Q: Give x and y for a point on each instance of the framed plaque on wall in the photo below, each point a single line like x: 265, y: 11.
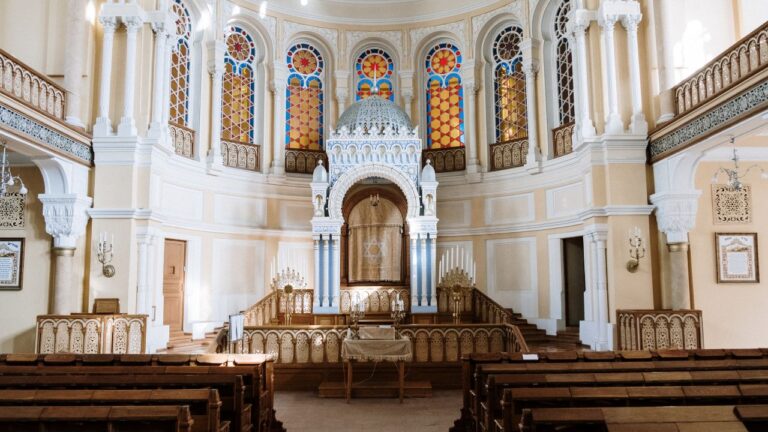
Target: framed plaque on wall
x: 11, y: 263
x: 737, y: 257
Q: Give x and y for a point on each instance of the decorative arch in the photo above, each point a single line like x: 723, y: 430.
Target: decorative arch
x: 374, y: 66
x: 511, y: 117
x: 444, y: 96
x: 363, y: 171
x: 181, y: 66
x: 304, y: 106
x: 238, y: 93
x: 564, y: 75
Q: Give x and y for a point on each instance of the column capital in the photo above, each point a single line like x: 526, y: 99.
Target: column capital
x: 216, y: 50
x: 676, y: 213
x: 109, y: 23
x: 631, y: 21
x: 65, y: 217
x: 579, y: 21
x: 132, y: 23
x: 470, y: 86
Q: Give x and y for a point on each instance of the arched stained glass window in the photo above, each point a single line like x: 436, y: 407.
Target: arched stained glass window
x: 564, y: 65
x: 238, y: 87
x: 180, y: 65
x: 509, y: 86
x: 304, y: 98
x: 445, y: 97
x: 374, y: 65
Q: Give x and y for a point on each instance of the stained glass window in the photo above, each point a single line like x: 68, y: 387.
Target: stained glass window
x: 445, y: 97
x: 180, y: 63
x: 304, y: 98
x: 238, y: 87
x: 509, y: 86
x: 374, y: 66
x: 564, y: 65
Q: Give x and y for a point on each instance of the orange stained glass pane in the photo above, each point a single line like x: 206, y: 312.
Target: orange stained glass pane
x: 304, y: 114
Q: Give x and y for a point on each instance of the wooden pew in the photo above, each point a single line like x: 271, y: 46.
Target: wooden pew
x: 204, y: 404
x: 87, y: 419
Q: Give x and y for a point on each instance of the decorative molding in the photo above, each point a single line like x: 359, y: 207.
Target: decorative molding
x: 739, y: 106
x: 513, y: 8
x: 676, y: 214
x: 291, y: 29
x: 65, y: 217
x: 394, y: 37
x: 364, y: 170
x: 731, y: 206
x: 12, y: 206
x: 457, y: 29
x: 44, y: 135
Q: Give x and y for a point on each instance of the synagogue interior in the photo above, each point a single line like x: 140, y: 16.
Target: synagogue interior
x: 383, y: 215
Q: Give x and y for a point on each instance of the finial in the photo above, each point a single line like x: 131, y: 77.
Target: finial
x: 429, y: 162
x: 320, y: 162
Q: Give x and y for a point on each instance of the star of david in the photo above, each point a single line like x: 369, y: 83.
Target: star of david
x: 373, y: 250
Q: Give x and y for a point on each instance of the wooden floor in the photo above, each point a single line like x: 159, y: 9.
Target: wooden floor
x: 305, y: 411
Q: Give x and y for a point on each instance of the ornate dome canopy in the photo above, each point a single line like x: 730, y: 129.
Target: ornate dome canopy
x: 374, y: 115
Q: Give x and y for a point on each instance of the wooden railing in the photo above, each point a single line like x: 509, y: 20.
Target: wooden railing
x: 91, y: 334
x: 486, y: 310
x: 376, y: 300
x: 445, y: 159
x: 183, y: 139
x: 241, y: 155
x: 659, y: 329
x: 562, y: 137
x: 431, y: 343
x: 445, y: 302
x: 31, y: 87
x: 303, y: 161
x: 267, y: 310
x: 740, y: 61
x: 509, y: 154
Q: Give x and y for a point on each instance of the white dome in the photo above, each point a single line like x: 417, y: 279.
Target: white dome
x: 375, y: 114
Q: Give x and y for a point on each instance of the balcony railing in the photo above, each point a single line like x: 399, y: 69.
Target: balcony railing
x: 91, y: 334
x: 241, y: 155
x: 659, y: 329
x: 509, y: 154
x: 183, y: 139
x: 740, y: 61
x: 562, y: 136
x: 303, y: 161
x: 445, y: 159
x: 30, y: 87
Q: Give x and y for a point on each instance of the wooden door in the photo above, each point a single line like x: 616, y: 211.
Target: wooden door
x: 173, y: 284
x: 573, y: 257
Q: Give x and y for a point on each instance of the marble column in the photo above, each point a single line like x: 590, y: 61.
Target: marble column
x: 407, y: 102
x: 637, y: 125
x: 127, y: 125
x: 216, y: 69
x: 533, y: 158
x: 433, y: 271
x: 579, y: 26
x: 601, y: 280
x: 318, y: 284
x: 170, y: 47
x: 143, y: 284
x: 65, y: 299
x: 335, y: 268
x: 414, y: 272
x: 666, y: 61
x: 470, y: 132
x: 279, y: 88
x: 103, y: 126
x: 423, y: 268
x: 679, y: 294
x: 73, y: 61
x: 328, y: 259
x: 613, y: 123
x: 158, y: 82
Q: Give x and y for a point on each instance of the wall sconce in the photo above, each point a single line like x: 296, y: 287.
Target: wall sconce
x: 636, y: 249
x: 104, y: 255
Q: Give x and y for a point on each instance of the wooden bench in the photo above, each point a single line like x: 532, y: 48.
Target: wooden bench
x: 204, y: 404
x: 87, y: 419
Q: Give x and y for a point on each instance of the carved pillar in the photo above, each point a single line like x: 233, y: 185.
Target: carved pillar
x: 676, y: 216
x: 216, y: 69
x: 638, y: 125
x: 601, y: 283
x: 530, y: 68
x: 127, y: 125
x: 73, y: 61
x: 143, y: 285
x: 65, y: 219
x: 278, y: 155
x: 613, y: 123
x: 158, y: 83
x: 103, y: 126
x: 470, y: 131
x: 579, y: 25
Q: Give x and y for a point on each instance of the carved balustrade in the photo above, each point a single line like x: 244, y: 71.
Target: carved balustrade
x: 376, y: 300
x: 183, y: 140
x: 445, y: 302
x: 241, y: 155
x: 24, y: 84
x: 300, y: 302
x: 264, y: 312
x: 736, y: 64
x: 486, y: 310
x: 509, y: 154
x: 562, y: 137
x: 431, y: 343
x: 659, y: 329
x: 445, y: 159
x: 303, y: 161
x: 91, y: 334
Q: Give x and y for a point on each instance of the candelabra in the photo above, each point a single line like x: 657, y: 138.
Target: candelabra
x: 736, y: 175
x: 456, y: 297
x: 397, y: 311
x: 6, y: 178
x: 104, y: 254
x: 636, y: 249
x: 356, y: 313
x: 287, y: 292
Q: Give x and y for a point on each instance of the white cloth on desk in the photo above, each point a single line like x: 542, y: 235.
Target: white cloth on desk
x: 377, y: 350
x: 376, y: 332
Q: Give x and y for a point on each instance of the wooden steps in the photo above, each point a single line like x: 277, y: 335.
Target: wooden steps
x: 376, y: 389
x: 182, y: 343
x: 539, y: 340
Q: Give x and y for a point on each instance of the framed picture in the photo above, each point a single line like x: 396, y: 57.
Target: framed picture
x: 11, y: 263
x: 737, y: 257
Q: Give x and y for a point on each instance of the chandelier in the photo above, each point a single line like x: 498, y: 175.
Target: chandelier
x: 736, y: 174
x: 374, y: 200
x: 8, y: 180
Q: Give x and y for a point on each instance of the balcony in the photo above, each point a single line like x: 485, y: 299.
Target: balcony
x: 562, y: 137
x: 241, y: 155
x: 183, y: 139
x: 509, y: 154
x: 445, y: 159
x: 731, y: 87
x: 303, y: 161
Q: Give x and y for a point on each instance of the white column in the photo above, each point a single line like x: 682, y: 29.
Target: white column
x: 143, y: 283
x: 73, y: 61
x: 170, y: 46
x: 533, y: 158
x: 318, y: 284
x: 637, y: 125
x: 327, y: 276
x: 423, y: 258
x: 666, y: 60
x: 406, y: 90
x: 602, y: 291
x: 414, y: 272
x: 65, y: 299
x: 216, y: 69
x: 580, y: 25
x: 407, y: 102
x: 335, y: 273
x: 158, y: 83
x: 433, y: 267
x: 470, y: 131
x: 278, y: 155
x: 127, y: 125
x: 103, y: 126
x: 613, y: 123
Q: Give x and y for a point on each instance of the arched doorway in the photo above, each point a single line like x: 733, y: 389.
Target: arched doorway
x: 374, y: 235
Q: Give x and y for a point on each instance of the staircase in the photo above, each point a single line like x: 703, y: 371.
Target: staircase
x: 539, y: 340
x: 182, y: 343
